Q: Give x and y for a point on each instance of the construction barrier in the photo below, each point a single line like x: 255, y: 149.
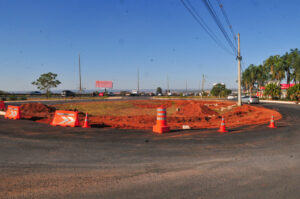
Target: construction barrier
x: 2, y: 105
x: 65, y: 118
x: 161, y: 122
x: 13, y: 112
x: 222, y: 126
x: 272, y: 123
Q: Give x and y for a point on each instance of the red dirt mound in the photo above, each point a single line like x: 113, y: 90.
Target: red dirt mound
x: 194, y: 110
x: 36, y: 110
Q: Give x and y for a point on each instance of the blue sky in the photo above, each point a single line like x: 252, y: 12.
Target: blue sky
x: 115, y: 37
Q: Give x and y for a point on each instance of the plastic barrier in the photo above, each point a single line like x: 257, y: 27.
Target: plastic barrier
x: 65, y: 118
x: 13, y: 112
x: 161, y: 123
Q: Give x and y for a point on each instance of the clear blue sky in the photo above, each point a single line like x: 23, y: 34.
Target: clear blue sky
x: 115, y: 37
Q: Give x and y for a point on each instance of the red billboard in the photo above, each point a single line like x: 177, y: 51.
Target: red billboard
x: 286, y: 86
x: 104, y: 84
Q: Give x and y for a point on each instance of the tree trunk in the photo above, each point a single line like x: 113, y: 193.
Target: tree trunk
x: 288, y: 77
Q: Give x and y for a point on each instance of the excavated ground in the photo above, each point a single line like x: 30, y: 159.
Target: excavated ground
x: 141, y: 114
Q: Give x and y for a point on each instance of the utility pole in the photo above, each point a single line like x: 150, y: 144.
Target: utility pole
x: 168, y: 86
x: 239, y: 58
x: 203, y: 81
x: 80, y: 89
x: 186, y: 86
x: 138, y: 81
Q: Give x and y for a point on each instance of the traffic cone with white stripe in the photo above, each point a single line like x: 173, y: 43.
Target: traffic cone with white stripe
x: 86, y: 122
x: 272, y: 123
x: 222, y: 126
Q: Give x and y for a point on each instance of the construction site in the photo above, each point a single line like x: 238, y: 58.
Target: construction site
x: 141, y: 114
x: 139, y: 99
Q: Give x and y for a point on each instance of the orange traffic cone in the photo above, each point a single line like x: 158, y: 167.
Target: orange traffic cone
x: 272, y: 123
x: 86, y: 122
x: 222, y: 127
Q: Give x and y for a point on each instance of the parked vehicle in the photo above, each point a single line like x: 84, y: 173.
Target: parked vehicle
x: 231, y: 97
x: 134, y: 93
x: 35, y: 93
x: 250, y: 99
x: 67, y: 93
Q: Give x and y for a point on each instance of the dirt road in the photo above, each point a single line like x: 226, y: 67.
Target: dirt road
x: 40, y: 161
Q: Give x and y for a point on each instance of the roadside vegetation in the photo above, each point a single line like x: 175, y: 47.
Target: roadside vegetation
x: 268, y: 76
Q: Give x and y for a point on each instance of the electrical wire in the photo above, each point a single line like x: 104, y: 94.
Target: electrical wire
x: 200, y: 21
x: 219, y: 24
x: 227, y: 21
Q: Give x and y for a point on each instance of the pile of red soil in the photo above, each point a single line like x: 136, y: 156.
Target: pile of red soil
x: 194, y: 110
x: 36, y: 111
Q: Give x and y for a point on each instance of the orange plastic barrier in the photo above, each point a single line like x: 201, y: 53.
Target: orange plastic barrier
x: 222, y: 126
x: 2, y: 105
x: 65, y: 118
x: 13, y: 112
x: 161, y: 123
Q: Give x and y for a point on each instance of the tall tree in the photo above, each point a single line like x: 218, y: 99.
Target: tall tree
x: 295, y: 65
x: 275, y: 65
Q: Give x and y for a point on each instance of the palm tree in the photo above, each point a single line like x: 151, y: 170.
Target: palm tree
x: 286, y: 61
x: 275, y: 65
x: 295, y: 64
x: 261, y: 76
x: 249, y: 77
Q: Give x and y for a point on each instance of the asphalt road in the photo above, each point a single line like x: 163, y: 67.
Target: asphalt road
x: 40, y: 161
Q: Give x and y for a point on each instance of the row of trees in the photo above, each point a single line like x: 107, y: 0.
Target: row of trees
x: 275, y: 68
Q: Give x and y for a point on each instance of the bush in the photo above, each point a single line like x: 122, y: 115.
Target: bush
x: 12, y: 98
x: 123, y: 93
x: 293, y: 92
x: 273, y: 90
x: 220, y: 90
x: 3, y: 98
x: 22, y: 98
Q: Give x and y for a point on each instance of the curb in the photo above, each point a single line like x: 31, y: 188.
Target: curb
x: 278, y: 102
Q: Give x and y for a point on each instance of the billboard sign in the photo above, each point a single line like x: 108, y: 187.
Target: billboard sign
x: 286, y: 86
x: 104, y: 84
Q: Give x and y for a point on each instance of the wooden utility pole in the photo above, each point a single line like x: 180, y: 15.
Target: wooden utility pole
x: 80, y: 89
x: 239, y: 58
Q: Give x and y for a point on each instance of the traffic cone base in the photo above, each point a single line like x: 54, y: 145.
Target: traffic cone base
x: 161, y: 129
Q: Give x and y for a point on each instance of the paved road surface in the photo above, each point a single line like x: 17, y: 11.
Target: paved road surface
x: 40, y: 161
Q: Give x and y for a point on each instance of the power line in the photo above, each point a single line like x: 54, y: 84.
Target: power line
x: 227, y: 21
x: 219, y: 24
x: 201, y: 22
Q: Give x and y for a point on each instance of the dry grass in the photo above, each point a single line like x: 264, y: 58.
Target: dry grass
x: 121, y: 108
